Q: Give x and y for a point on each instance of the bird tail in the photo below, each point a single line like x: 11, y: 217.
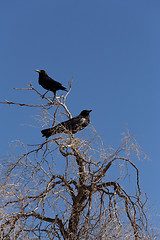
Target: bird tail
x: 60, y: 128
x: 47, y: 132
x: 65, y: 89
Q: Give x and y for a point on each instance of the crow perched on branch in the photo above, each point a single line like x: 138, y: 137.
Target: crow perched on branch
x: 73, y: 125
x: 48, y: 83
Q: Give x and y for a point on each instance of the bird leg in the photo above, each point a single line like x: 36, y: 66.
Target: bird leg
x: 44, y: 94
x: 54, y: 96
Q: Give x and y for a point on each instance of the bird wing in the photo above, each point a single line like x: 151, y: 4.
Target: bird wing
x: 52, y: 83
x: 75, y: 124
x: 69, y: 125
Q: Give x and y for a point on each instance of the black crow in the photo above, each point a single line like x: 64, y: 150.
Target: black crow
x: 72, y: 125
x: 48, y: 83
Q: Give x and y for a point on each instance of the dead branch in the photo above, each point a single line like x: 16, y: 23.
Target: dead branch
x: 63, y: 187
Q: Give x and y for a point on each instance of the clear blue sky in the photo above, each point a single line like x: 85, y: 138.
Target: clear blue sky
x: 111, y: 48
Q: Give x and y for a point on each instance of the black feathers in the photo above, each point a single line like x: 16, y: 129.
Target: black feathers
x: 48, y: 83
x: 73, y: 125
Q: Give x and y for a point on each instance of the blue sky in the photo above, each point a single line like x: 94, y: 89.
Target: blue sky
x: 112, y: 50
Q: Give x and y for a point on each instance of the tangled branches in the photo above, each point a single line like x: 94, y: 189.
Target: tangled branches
x: 71, y: 187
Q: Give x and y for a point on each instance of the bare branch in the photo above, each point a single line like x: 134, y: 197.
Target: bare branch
x: 63, y: 187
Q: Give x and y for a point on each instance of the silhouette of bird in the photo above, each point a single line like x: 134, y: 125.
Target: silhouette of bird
x: 72, y: 125
x: 48, y: 83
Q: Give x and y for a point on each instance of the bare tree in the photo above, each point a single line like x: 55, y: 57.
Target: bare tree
x: 70, y: 186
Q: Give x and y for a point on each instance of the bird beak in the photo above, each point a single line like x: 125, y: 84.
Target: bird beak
x: 37, y: 70
x: 90, y: 111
